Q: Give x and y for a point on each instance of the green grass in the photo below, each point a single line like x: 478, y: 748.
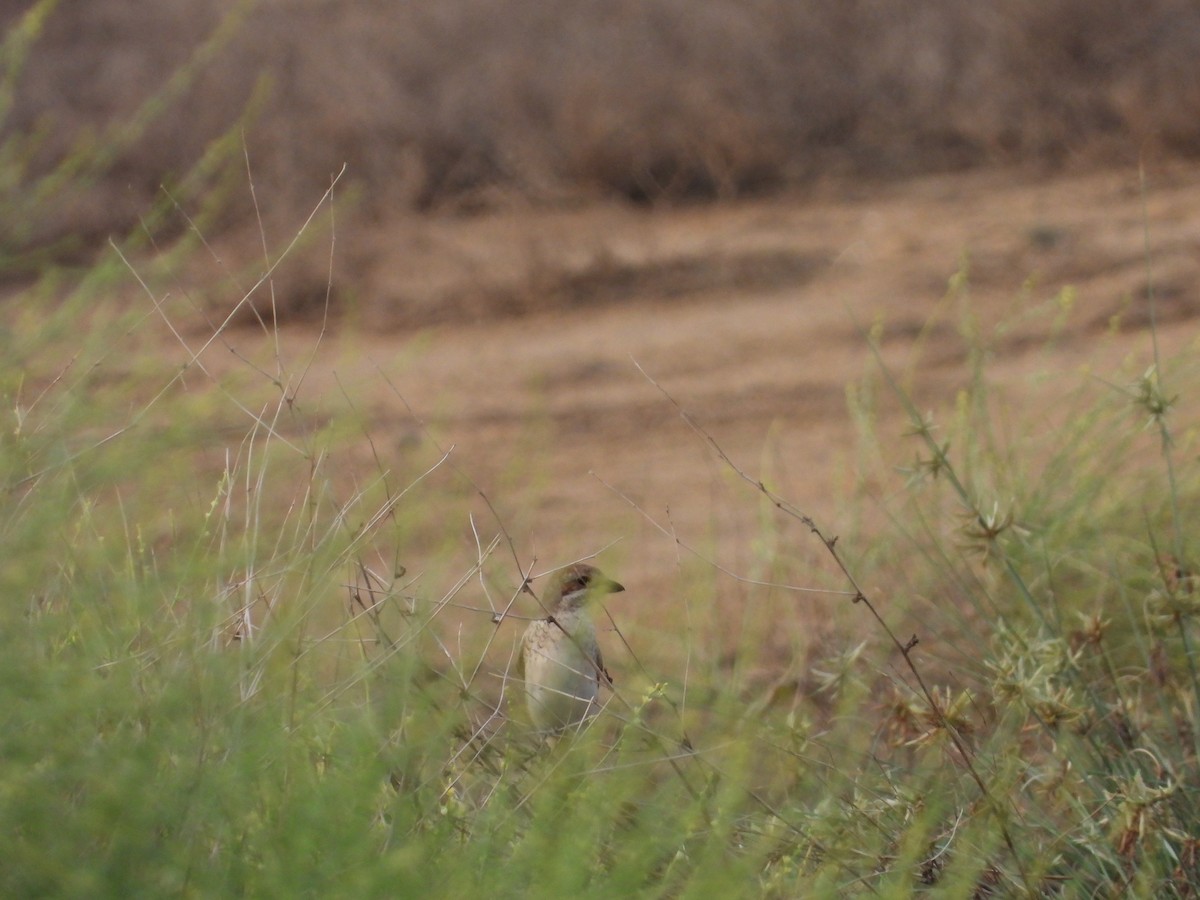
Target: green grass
x: 196, y: 703
x: 235, y: 659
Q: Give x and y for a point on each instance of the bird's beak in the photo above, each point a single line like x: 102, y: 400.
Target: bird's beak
x: 613, y: 587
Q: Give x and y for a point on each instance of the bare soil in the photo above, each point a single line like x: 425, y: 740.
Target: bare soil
x: 517, y: 337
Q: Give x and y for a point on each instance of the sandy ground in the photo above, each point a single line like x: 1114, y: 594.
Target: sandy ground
x: 516, y: 336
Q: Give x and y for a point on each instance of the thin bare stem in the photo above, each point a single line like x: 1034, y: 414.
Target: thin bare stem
x: 859, y: 596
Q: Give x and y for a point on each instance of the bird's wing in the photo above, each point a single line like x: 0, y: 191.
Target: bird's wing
x: 600, y: 670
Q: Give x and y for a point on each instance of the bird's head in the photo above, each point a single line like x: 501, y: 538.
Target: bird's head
x: 574, y: 586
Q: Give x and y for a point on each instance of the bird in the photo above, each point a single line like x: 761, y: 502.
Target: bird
x: 560, y: 659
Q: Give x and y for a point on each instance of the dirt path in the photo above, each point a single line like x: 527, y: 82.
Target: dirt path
x: 514, y: 336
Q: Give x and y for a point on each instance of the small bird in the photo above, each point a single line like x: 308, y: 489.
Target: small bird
x: 560, y: 658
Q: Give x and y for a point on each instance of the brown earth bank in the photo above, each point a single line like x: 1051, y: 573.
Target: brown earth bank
x: 527, y: 341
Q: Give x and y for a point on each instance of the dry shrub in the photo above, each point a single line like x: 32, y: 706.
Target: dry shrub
x: 430, y: 104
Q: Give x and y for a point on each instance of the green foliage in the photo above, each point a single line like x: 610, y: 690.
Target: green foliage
x: 191, y: 705
x: 218, y: 678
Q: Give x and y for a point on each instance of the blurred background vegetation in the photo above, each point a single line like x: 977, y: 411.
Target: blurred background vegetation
x: 462, y: 102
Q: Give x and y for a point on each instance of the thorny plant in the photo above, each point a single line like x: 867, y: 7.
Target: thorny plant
x: 1122, y: 748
